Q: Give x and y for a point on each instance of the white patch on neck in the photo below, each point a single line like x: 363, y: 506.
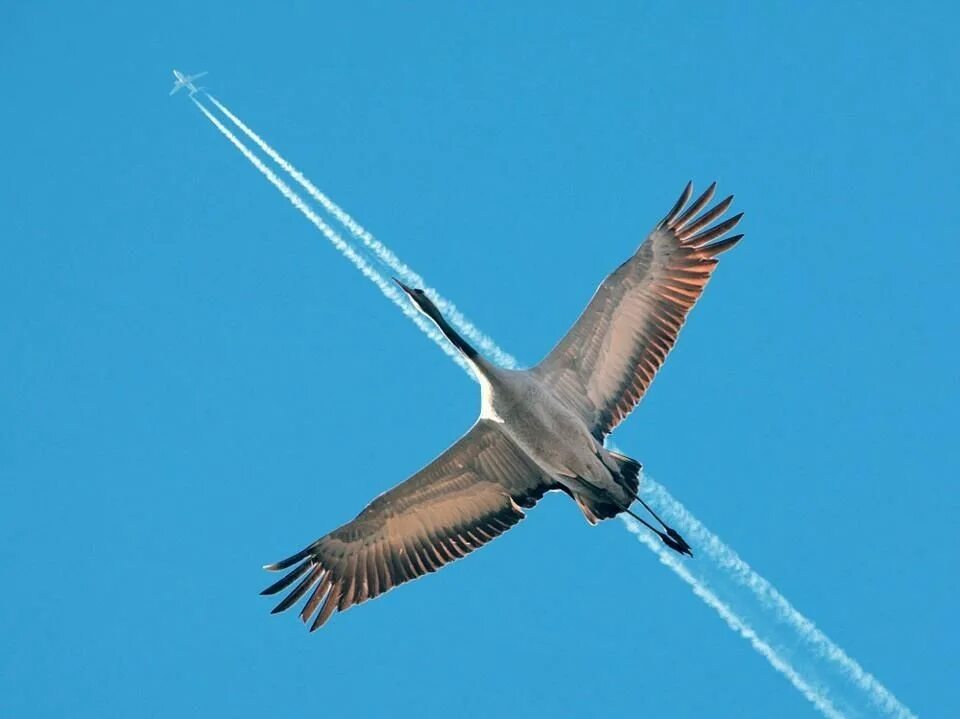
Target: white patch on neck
x: 486, y: 397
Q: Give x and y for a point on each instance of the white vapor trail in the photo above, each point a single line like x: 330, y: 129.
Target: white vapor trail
x: 484, y: 343
x: 748, y: 616
x: 816, y: 696
x: 743, y: 574
x: 391, y: 292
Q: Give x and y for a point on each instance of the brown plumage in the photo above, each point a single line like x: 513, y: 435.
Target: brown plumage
x: 473, y: 492
x: 606, y: 362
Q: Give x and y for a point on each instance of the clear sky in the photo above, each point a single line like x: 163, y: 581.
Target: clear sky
x: 194, y: 383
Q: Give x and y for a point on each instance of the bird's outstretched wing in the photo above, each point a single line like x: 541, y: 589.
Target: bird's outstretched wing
x: 606, y: 362
x: 470, y: 494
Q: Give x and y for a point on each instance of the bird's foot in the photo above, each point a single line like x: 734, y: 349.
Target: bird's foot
x: 673, y: 540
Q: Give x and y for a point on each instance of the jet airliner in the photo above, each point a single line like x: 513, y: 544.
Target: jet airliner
x: 181, y: 80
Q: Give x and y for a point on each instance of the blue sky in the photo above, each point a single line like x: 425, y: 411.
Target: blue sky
x: 194, y: 383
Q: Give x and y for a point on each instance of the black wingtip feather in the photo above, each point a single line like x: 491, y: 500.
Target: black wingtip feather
x: 712, y: 233
x: 683, y: 199
x: 333, y: 598
x: 695, y: 207
x: 289, y: 561
x: 722, y: 246
x: 286, y: 581
x: 318, y: 594
x: 298, y: 591
x: 691, y: 227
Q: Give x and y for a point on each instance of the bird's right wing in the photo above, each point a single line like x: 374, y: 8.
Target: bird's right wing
x: 470, y: 494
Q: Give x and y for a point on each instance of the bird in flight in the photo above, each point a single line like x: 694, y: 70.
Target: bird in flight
x: 539, y: 430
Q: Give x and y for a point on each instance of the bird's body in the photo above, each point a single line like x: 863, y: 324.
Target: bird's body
x: 539, y: 430
x: 548, y: 431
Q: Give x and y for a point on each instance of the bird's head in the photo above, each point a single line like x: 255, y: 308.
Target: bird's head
x: 425, y: 305
x: 420, y: 299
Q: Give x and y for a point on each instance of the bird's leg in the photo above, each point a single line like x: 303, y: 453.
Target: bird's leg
x: 676, y: 541
x: 671, y: 537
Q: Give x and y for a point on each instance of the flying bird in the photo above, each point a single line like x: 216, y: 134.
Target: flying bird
x: 539, y: 430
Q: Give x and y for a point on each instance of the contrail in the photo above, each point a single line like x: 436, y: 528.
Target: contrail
x: 731, y: 566
x: 744, y: 575
x: 386, y: 287
x: 816, y: 696
x: 484, y: 343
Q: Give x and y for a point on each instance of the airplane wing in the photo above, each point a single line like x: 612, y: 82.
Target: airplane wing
x: 197, y: 76
x: 176, y: 87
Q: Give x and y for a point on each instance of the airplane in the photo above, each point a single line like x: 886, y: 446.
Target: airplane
x: 186, y: 81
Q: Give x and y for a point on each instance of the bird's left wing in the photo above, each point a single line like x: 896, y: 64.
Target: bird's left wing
x: 470, y: 494
x: 606, y: 362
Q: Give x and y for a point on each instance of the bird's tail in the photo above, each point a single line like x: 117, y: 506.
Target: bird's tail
x: 626, y: 473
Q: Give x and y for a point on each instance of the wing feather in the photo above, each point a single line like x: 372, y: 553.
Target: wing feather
x: 606, y: 362
x: 696, y: 206
x: 469, y: 495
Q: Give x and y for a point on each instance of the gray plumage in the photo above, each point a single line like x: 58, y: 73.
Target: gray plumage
x: 539, y: 430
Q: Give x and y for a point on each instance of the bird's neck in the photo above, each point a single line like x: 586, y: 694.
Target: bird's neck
x: 482, y: 368
x: 466, y: 349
